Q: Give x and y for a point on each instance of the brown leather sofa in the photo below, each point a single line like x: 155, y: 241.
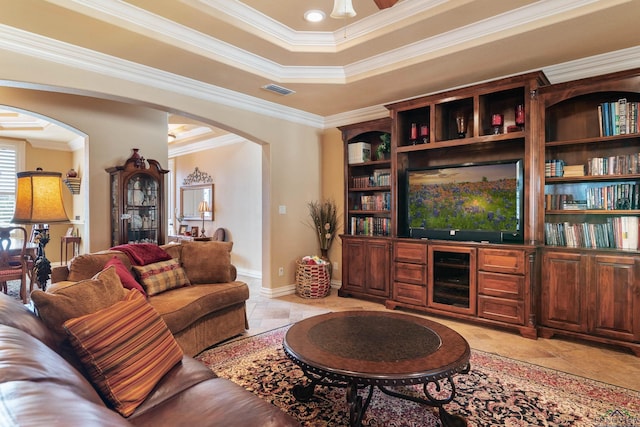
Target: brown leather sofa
x: 198, y: 316
x: 38, y: 387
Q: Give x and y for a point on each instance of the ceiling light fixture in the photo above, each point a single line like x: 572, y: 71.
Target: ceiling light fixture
x: 314, y: 15
x: 343, y: 9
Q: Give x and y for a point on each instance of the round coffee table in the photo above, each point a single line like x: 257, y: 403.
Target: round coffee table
x: 360, y: 349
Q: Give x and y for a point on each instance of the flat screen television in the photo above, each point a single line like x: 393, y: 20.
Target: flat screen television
x: 467, y: 202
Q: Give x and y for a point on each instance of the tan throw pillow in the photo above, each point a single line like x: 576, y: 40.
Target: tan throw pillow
x: 207, y: 262
x: 77, y: 299
x: 126, y: 349
x: 161, y: 276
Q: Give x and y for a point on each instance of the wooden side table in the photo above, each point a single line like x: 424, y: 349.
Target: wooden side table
x: 64, y: 242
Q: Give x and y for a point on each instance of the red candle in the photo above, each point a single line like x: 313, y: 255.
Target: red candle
x: 520, y: 115
x: 424, y: 130
x: 496, y: 120
x: 414, y: 131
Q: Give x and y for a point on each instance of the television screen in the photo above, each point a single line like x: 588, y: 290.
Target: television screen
x: 469, y: 197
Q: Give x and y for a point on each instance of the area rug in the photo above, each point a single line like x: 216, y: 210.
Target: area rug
x: 13, y: 289
x: 496, y: 392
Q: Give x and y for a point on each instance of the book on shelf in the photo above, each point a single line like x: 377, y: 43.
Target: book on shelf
x: 622, y: 196
x: 376, y: 202
x: 382, y: 177
x: 370, y: 226
x: 625, y: 164
x: 573, y: 170
x: 553, y: 168
x: 617, y: 233
x: 618, y: 117
x: 574, y: 205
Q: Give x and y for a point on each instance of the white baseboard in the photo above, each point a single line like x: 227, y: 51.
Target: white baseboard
x: 290, y: 289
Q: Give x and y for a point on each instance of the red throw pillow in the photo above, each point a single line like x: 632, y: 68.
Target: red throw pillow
x: 126, y: 277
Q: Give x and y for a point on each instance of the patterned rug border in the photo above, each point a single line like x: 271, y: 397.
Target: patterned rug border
x: 567, y: 389
x: 473, y: 350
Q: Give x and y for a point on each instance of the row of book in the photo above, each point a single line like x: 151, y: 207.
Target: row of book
x: 379, y: 178
x: 553, y: 168
x: 556, y: 202
x: 370, y: 226
x: 618, y: 117
x: 617, y: 233
x: 614, y: 165
x: 622, y: 196
x: 627, y: 164
x: 375, y: 202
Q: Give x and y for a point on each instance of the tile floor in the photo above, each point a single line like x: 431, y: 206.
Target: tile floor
x: 611, y: 365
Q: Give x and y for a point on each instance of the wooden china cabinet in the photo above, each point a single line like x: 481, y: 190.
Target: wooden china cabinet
x: 137, y: 201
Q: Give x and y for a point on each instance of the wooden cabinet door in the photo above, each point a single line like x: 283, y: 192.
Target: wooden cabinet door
x: 563, y: 289
x: 378, y: 262
x: 354, y: 262
x: 614, y: 297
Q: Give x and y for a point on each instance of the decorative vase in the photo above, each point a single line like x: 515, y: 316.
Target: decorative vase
x: 324, y: 255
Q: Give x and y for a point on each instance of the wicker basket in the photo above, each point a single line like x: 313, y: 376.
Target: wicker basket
x: 313, y: 281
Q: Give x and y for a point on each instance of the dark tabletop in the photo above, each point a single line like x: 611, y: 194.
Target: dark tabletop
x: 377, y: 346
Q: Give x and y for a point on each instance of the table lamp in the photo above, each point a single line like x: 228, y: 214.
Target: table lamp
x: 39, y: 202
x: 203, y: 207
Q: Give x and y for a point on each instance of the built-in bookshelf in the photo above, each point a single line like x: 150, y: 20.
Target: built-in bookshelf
x: 368, y: 203
x: 590, y: 263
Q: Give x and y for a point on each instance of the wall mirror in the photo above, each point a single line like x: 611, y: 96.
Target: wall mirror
x: 190, y: 198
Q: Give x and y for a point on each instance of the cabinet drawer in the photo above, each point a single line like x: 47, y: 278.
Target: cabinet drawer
x: 510, y: 261
x: 411, y: 273
x: 500, y: 309
x: 410, y: 294
x: 410, y: 252
x: 501, y: 285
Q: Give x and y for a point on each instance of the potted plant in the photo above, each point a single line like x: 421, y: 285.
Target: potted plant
x: 383, y: 150
x: 324, y: 220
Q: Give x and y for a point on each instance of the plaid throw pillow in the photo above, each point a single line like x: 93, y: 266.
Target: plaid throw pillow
x: 126, y: 349
x: 161, y: 276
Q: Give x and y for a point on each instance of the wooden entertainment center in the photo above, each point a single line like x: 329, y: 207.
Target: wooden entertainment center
x: 573, y: 269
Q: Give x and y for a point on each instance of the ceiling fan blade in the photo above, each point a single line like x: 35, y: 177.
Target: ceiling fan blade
x: 383, y: 4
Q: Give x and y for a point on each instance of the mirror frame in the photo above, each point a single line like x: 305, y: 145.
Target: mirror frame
x: 208, y: 216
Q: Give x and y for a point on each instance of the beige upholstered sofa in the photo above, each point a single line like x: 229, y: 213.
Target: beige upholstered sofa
x: 210, y: 310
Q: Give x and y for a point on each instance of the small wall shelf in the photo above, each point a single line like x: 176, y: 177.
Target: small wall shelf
x: 73, y: 184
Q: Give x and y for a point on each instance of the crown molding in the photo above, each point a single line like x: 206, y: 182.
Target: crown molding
x: 175, y: 149
x: 609, y: 62
x: 33, y: 45
x: 250, y: 20
x: 356, y: 116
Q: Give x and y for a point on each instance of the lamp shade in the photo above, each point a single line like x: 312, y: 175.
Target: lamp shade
x: 39, y: 198
x: 203, y: 207
x: 343, y: 9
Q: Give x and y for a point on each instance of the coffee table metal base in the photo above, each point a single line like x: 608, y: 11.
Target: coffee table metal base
x: 362, y: 350
x: 358, y: 406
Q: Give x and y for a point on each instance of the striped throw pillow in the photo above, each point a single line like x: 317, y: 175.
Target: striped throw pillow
x: 161, y: 276
x: 126, y: 349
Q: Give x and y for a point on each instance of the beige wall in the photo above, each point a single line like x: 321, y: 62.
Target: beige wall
x: 114, y: 129
x: 291, y: 157
x: 236, y: 171
x: 333, y: 187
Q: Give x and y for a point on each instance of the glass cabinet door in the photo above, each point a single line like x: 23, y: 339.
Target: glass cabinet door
x: 115, y: 210
x: 141, y: 209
